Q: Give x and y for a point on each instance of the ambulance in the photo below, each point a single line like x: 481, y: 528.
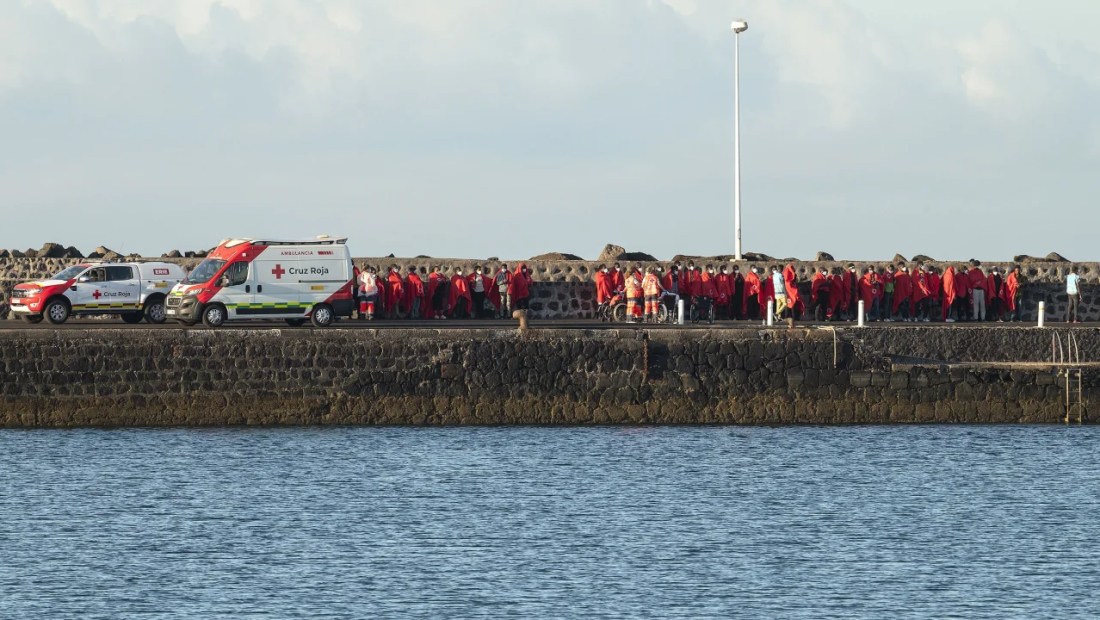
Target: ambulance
x: 261, y: 279
x: 134, y: 291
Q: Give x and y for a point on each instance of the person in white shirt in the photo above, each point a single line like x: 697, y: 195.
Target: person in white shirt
x: 1073, y: 292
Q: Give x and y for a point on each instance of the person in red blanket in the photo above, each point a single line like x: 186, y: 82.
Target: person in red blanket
x: 995, y: 289
x: 851, y: 291
x: 935, y: 290
x: 460, y: 300
x: 414, y: 293
x: 767, y: 292
x: 750, y: 295
x: 706, y: 292
x: 1014, y: 285
x: 920, y: 296
x: 838, y: 294
x: 394, y: 292
x: 978, y: 293
x: 603, y: 288
x: 902, y: 302
x: 819, y: 295
x: 481, y: 288
x: 794, y: 298
x: 948, y: 302
x: 723, y: 285
x: 520, y: 289
x: 433, y: 307
x: 962, y: 294
x: 618, y: 278
x: 869, y: 288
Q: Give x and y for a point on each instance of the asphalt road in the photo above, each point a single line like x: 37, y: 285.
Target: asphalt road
x: 111, y: 323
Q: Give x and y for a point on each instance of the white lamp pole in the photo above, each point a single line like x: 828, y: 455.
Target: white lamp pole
x: 738, y: 27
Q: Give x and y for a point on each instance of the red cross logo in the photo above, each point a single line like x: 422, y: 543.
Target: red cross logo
x: 97, y: 294
x: 278, y: 271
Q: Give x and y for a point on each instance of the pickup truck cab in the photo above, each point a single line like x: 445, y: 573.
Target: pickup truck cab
x: 134, y: 291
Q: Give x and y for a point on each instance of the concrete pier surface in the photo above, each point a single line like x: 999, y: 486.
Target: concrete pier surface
x: 457, y: 375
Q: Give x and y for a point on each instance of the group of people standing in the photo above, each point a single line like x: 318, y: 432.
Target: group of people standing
x: 421, y: 295
x: 888, y: 293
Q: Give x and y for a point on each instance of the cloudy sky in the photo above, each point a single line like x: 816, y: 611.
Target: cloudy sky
x: 954, y: 128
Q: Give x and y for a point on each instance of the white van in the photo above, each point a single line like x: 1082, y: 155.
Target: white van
x: 134, y: 291
x: 267, y: 279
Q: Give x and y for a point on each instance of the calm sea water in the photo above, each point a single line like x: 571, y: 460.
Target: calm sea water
x: 869, y: 522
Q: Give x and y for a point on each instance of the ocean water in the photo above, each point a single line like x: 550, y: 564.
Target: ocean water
x: 673, y: 522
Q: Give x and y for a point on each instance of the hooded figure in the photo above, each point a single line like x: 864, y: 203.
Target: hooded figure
x: 750, y: 295
x: 790, y: 283
x: 460, y: 300
x: 948, y: 291
x: 520, y: 288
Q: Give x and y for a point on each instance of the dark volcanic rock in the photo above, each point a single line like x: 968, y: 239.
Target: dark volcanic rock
x: 1057, y: 258
x: 31, y: 253
x: 101, y: 252
x: 51, y: 250
x: 553, y: 256
x: 923, y: 258
x: 172, y: 254
x: 5, y: 254
x: 611, y: 253
x: 17, y: 254
x: 757, y: 257
x: 638, y: 256
x: 824, y: 257
x: 1023, y: 258
x: 899, y: 260
x: 72, y: 252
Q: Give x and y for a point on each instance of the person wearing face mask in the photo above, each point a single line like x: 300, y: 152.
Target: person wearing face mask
x: 460, y: 300
x: 819, y: 295
x: 651, y: 290
x: 707, y: 292
x: 502, y: 282
x: 520, y: 290
x: 617, y: 277
x: 750, y: 295
x: 794, y: 297
x: 368, y: 294
x: 394, y: 291
x: 478, y: 291
x: 737, y: 303
x: 671, y: 281
x: 439, y: 292
x: 723, y: 286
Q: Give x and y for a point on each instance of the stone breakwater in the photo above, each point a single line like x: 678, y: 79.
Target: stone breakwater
x: 563, y: 289
x: 120, y: 377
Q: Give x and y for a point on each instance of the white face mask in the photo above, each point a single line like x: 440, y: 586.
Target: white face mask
x: 478, y: 272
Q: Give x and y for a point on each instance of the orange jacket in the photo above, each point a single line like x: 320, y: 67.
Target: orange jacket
x: 651, y: 285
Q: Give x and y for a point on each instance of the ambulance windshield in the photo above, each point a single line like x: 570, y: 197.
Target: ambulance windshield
x: 205, y: 271
x: 70, y: 273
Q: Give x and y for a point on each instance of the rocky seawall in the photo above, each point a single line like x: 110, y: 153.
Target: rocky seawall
x: 900, y: 375
x: 563, y: 289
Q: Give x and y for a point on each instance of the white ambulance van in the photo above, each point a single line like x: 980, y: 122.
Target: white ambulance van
x: 266, y: 279
x: 134, y: 291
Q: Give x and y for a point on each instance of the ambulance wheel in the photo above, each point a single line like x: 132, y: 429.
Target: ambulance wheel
x: 56, y: 311
x: 214, y: 316
x: 154, y: 310
x: 131, y: 318
x: 322, y: 315
x: 295, y: 322
x: 618, y: 313
x: 33, y: 320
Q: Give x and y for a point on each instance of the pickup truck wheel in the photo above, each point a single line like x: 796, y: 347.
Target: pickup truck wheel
x: 322, y: 315
x: 154, y: 310
x: 131, y: 318
x: 56, y: 311
x: 214, y: 316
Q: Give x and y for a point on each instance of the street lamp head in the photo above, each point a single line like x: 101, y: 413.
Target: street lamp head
x: 739, y: 26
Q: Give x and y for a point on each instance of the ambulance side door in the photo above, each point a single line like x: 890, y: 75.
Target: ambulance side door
x: 237, y: 289
x: 277, y: 288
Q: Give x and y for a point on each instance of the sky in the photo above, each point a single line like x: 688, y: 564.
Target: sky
x: 478, y: 128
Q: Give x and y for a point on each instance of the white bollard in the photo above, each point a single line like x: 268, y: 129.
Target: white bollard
x: 679, y: 311
x: 1042, y: 313
x: 861, y: 316
x: 771, y: 313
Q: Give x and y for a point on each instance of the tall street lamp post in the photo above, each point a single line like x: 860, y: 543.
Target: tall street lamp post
x: 738, y: 27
